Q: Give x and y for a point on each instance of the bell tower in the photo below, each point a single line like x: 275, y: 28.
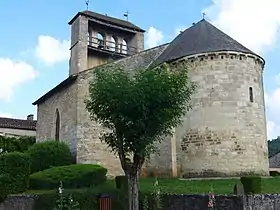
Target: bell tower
x: 97, y: 39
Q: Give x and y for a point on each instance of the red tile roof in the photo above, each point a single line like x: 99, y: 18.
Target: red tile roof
x: 17, y: 123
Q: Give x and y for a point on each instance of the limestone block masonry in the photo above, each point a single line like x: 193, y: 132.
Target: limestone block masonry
x: 65, y: 101
x: 225, y: 132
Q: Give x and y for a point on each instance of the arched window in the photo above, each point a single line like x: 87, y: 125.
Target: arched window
x: 114, y: 44
x: 100, y: 41
x: 124, y: 47
x: 57, y: 125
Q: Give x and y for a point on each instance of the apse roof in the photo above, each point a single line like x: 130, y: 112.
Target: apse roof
x: 202, y: 37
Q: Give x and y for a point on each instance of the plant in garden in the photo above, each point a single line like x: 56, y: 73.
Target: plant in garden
x: 156, y: 199
x: 211, y: 200
x: 2, y: 151
x: 64, y: 203
x: 138, y: 110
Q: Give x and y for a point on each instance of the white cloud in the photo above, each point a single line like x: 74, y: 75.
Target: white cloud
x: 277, y: 79
x: 154, y: 37
x: 51, y: 50
x: 273, y: 130
x: 254, y: 23
x: 13, y: 74
x: 7, y: 115
x: 273, y: 113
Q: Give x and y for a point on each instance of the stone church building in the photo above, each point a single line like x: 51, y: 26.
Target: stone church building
x: 223, y: 135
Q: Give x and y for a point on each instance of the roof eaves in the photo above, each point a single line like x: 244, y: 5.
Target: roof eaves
x: 129, y: 26
x: 19, y: 128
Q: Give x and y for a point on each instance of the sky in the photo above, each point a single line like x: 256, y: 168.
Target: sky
x: 34, y: 40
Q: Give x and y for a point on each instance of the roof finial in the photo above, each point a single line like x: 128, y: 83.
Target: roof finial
x: 203, y: 15
x: 126, y: 15
x: 87, y: 2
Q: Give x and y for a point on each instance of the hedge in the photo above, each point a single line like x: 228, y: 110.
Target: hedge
x: 15, y: 171
x: 4, y: 191
x: 49, y: 154
x: 72, y: 176
x: 251, y: 184
x: 12, y: 144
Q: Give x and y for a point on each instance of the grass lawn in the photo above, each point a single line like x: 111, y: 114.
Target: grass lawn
x: 222, y: 186
x: 176, y: 186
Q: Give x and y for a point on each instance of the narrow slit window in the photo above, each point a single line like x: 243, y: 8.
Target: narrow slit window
x: 57, y: 125
x: 251, y: 94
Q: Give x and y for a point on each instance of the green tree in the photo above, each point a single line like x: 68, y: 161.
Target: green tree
x: 138, y: 109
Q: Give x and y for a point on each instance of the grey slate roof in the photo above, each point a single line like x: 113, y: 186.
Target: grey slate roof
x: 108, y: 19
x: 202, y: 37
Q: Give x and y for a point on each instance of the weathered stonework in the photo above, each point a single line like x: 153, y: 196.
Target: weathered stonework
x: 12, y: 132
x: 224, y: 134
x: 79, y: 46
x: 65, y: 101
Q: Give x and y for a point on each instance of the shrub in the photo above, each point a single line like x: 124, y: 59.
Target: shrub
x: 274, y: 173
x: 121, y: 182
x: 72, y: 176
x: 4, y: 179
x: 15, y: 168
x: 49, y: 154
x: 251, y: 184
x: 12, y: 144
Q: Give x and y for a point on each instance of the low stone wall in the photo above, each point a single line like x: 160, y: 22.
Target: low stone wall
x: 177, y: 202
x: 18, y: 202
x: 200, y: 202
x: 262, y: 202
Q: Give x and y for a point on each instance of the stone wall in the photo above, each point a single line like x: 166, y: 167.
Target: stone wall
x: 18, y: 202
x: 89, y: 148
x: 225, y: 133
x: 79, y: 45
x: 177, y: 202
x: 65, y: 101
x: 12, y: 132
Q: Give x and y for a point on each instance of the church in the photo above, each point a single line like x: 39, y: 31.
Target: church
x: 223, y: 135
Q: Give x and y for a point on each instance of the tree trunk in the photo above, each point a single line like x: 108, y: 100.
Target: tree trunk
x: 133, y: 191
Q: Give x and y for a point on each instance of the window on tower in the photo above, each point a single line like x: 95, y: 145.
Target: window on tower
x: 251, y: 94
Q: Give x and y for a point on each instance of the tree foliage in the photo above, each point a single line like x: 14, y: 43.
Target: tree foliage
x: 274, y: 146
x: 13, y: 144
x: 138, y: 109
